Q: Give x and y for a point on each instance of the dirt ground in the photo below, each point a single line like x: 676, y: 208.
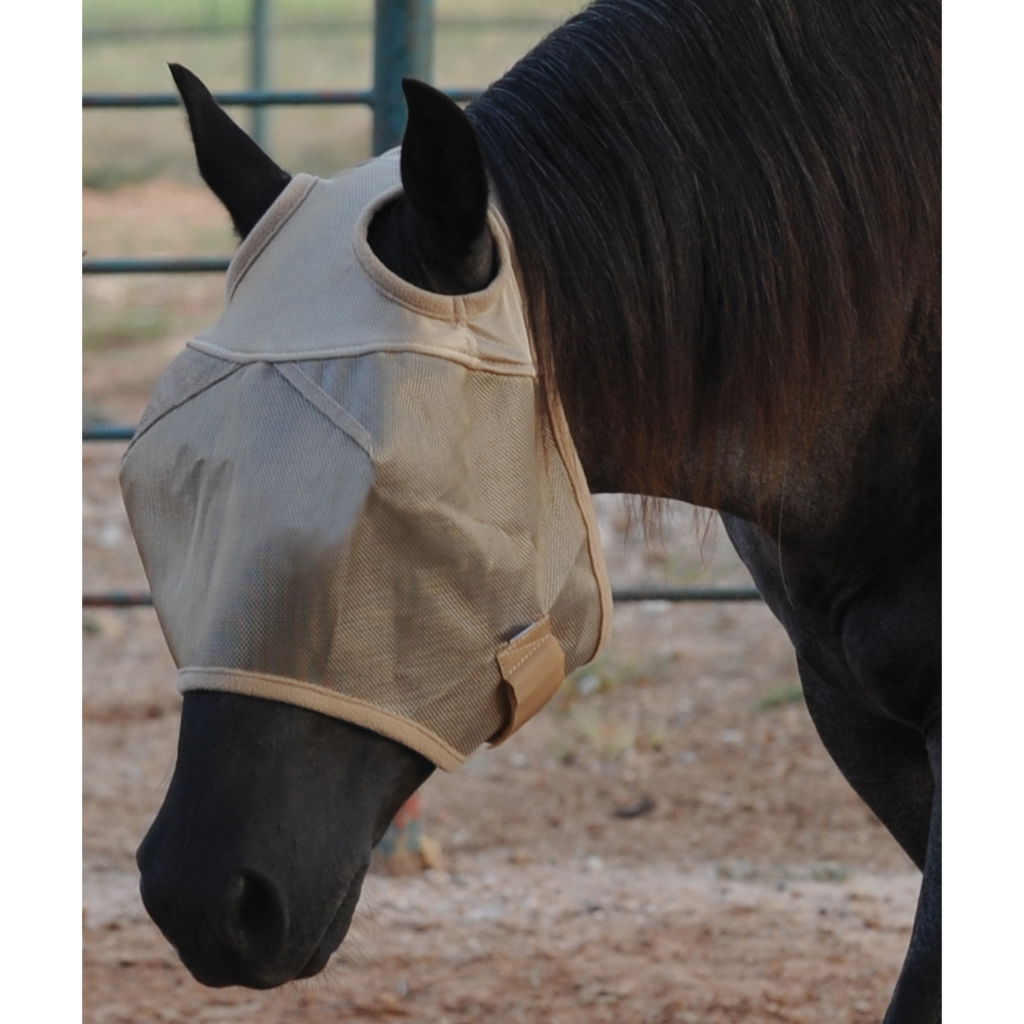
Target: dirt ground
x: 667, y: 842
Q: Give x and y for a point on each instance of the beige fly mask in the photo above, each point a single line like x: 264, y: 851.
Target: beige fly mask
x: 347, y: 495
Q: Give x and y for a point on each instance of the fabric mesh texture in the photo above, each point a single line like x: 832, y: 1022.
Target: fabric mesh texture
x: 358, y: 513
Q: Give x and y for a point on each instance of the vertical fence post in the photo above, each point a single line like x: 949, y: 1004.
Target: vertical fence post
x: 260, y: 65
x: 403, y: 46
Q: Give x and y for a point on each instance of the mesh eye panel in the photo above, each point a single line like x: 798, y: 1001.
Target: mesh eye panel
x: 358, y: 517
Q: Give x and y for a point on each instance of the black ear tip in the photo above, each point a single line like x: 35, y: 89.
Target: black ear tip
x: 187, y: 83
x: 425, y: 97
x: 416, y: 93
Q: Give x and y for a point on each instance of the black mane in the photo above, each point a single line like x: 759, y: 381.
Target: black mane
x: 707, y: 199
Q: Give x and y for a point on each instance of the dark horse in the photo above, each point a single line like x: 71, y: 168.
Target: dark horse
x: 726, y: 220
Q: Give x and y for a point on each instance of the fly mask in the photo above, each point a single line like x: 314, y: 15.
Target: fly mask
x: 350, y: 495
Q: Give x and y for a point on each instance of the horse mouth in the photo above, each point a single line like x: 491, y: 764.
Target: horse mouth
x: 218, y: 955
x: 336, y: 931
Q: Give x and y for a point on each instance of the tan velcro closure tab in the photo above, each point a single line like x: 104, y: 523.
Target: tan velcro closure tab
x: 532, y: 667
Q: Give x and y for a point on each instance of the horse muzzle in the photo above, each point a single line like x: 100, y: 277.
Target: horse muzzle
x: 254, y: 865
x: 241, y: 931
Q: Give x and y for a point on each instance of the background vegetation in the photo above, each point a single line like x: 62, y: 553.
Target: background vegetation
x: 314, y: 44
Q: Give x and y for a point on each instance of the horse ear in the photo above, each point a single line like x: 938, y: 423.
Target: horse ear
x: 443, y: 170
x: 238, y: 172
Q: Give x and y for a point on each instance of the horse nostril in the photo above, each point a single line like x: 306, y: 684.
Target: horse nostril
x: 255, y: 916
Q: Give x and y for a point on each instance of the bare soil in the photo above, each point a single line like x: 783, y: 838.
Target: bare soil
x: 667, y: 842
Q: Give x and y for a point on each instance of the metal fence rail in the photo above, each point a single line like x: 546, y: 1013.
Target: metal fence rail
x: 254, y: 98
x: 101, y: 432
x: 673, y: 595
x: 168, y: 265
x: 340, y: 25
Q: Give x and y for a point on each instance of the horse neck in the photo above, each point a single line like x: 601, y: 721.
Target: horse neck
x: 730, y: 301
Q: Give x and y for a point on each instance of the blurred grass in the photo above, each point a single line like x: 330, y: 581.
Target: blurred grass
x: 112, y: 16
x: 314, y: 44
x: 791, y: 694
x: 584, y: 723
x: 101, y: 327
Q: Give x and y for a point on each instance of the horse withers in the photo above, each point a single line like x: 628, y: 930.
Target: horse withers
x: 718, y: 225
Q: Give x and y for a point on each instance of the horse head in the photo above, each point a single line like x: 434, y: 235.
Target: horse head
x: 353, y: 592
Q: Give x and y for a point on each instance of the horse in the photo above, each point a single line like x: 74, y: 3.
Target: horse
x: 725, y: 226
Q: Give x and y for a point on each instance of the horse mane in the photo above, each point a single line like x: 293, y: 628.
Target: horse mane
x: 726, y: 221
